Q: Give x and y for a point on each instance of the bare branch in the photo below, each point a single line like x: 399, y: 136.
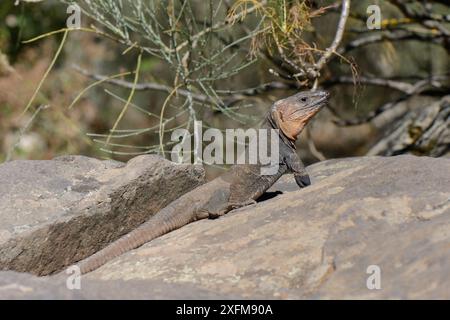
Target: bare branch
x: 220, y: 24
x: 345, y: 9
x: 142, y: 86
x: 312, y: 147
x: 402, y: 86
x: 393, y: 36
x: 229, y: 97
x: 415, y: 89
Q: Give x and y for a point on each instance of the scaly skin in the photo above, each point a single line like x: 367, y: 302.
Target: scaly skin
x: 240, y: 186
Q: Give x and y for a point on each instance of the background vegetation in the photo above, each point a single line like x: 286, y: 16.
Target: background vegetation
x: 139, y: 69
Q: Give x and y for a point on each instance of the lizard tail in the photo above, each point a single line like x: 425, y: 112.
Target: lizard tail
x: 158, y: 225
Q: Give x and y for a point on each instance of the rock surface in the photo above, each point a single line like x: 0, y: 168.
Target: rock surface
x: 360, y: 214
x: 54, y: 213
x: 14, y: 285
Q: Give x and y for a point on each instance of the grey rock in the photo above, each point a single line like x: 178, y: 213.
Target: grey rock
x: 14, y: 285
x: 316, y: 243
x: 54, y: 213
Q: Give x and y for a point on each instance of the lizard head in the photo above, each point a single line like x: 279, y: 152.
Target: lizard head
x: 293, y: 113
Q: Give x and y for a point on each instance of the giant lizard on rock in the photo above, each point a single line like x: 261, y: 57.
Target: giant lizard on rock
x: 239, y: 186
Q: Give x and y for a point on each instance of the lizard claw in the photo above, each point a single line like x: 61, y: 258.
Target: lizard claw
x: 302, y: 181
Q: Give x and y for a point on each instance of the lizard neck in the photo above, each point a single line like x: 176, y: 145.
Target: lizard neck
x: 271, y: 124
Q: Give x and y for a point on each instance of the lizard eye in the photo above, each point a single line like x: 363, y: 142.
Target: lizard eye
x: 304, y: 99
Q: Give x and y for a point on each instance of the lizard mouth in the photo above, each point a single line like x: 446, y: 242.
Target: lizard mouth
x: 311, y: 109
x: 321, y: 101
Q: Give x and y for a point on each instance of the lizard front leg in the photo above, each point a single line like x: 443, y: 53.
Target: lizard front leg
x: 296, y: 165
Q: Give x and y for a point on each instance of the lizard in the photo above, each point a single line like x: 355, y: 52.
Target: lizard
x: 242, y: 185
